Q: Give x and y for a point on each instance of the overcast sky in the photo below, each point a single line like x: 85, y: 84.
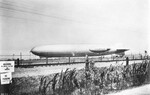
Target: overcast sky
x: 116, y: 23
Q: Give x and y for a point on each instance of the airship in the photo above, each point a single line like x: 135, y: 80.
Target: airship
x: 75, y: 51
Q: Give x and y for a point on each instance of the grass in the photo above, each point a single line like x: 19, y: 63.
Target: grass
x: 87, y: 81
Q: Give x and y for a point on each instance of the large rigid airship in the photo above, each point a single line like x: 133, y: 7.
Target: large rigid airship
x: 74, y: 51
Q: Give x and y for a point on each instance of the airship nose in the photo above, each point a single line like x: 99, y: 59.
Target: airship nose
x: 36, y: 50
x: 33, y: 50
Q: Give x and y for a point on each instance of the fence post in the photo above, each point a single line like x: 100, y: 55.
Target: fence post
x: 127, y: 61
x: 87, y: 63
x: 18, y: 62
x: 148, y: 71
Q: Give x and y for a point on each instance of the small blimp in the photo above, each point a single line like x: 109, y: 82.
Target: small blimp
x: 74, y: 51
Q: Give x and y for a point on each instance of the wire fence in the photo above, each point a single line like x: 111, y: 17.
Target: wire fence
x: 29, y: 59
x: 31, y: 56
x: 20, y: 56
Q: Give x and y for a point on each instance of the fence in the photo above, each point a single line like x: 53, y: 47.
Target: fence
x: 20, y: 56
x: 32, y: 59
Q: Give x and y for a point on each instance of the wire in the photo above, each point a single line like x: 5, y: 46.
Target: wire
x: 11, y: 2
x: 24, y: 11
x: 35, y: 13
x: 15, y: 55
x: 7, y: 16
x: 4, y: 3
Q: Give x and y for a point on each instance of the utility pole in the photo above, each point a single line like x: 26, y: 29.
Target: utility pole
x: 20, y: 57
x: 30, y: 56
x: 13, y: 56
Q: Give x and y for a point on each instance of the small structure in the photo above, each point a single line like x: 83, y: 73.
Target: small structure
x: 6, y: 69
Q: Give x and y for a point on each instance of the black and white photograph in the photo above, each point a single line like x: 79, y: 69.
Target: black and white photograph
x: 74, y: 47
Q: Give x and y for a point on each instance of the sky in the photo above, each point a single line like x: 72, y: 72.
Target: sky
x: 112, y: 23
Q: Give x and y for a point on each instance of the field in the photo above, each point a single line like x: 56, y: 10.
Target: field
x: 46, y: 70
x: 92, y: 79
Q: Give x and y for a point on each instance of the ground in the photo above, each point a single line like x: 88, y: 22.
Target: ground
x: 142, y: 90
